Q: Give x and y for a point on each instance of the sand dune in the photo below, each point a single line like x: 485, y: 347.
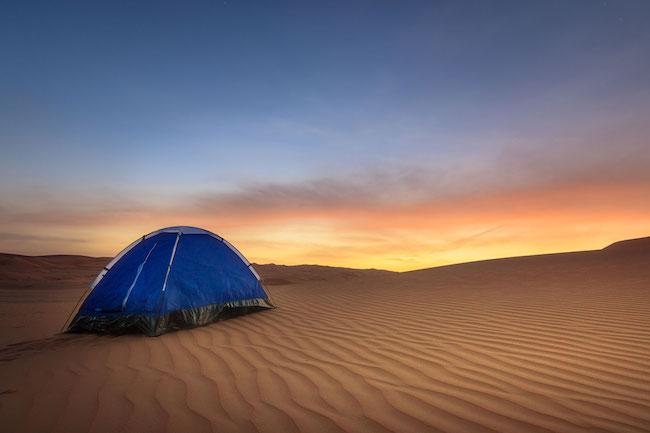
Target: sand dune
x: 553, y: 343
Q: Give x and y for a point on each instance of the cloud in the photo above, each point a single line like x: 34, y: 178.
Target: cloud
x: 23, y: 237
x: 522, y: 200
x: 403, y: 197
x: 595, y: 177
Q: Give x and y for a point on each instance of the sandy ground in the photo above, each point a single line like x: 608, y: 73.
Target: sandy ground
x: 555, y: 343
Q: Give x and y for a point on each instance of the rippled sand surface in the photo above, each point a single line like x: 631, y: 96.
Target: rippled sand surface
x: 556, y: 343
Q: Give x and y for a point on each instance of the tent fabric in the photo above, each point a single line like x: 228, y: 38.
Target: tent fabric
x: 173, y: 278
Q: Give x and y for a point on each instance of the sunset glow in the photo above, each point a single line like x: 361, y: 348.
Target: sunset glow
x: 404, y: 139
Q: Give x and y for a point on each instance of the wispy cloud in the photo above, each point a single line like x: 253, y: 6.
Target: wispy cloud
x: 25, y: 237
x: 401, y: 217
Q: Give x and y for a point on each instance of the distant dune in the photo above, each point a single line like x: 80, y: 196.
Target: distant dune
x: 549, y: 343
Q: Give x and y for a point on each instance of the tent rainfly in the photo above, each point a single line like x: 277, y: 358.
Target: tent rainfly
x: 176, y: 277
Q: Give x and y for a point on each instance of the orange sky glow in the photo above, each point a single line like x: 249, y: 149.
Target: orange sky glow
x: 408, y: 137
x: 404, y: 236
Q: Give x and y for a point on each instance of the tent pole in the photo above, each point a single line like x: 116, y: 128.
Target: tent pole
x: 164, y: 286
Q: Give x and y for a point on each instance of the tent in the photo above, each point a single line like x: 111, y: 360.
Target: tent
x: 176, y: 277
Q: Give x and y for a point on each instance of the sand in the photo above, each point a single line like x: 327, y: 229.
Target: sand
x: 554, y: 343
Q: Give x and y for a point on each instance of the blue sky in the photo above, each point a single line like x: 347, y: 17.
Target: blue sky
x: 153, y: 103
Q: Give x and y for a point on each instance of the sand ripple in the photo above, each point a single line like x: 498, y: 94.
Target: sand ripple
x: 500, y: 346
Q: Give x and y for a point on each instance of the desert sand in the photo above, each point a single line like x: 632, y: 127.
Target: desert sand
x: 552, y: 343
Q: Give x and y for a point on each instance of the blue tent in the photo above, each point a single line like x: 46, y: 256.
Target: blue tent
x: 173, y: 278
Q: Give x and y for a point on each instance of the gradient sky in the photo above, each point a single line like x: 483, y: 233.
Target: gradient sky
x: 385, y: 134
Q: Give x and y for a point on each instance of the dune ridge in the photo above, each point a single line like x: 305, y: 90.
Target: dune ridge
x: 553, y: 343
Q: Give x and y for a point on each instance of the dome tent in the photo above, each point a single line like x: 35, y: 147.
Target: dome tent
x: 176, y: 277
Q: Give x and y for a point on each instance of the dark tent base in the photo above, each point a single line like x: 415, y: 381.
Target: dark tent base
x: 118, y: 323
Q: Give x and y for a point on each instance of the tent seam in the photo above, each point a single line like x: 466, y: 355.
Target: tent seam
x: 169, y: 268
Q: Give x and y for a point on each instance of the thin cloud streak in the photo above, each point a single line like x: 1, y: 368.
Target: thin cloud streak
x: 24, y: 237
x: 400, y: 218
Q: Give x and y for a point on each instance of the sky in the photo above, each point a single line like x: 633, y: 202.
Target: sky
x: 385, y: 134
